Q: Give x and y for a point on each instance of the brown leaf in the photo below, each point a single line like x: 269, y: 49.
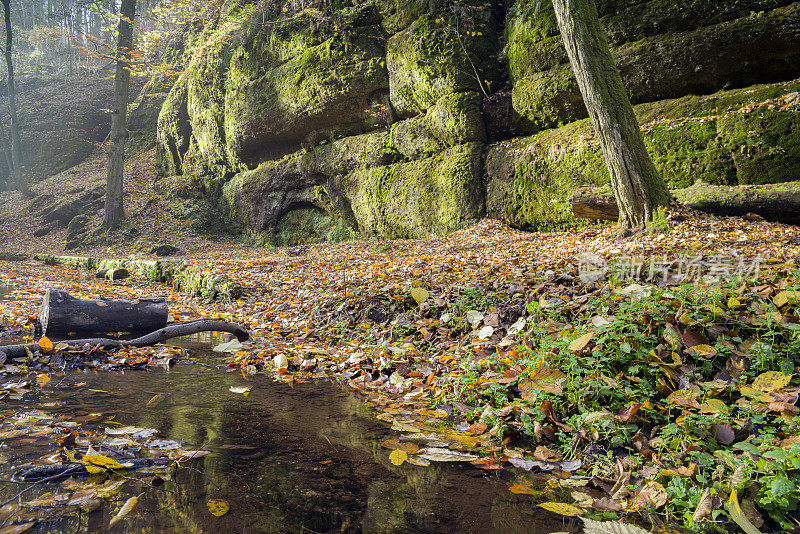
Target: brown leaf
x: 704, y: 507
x: 629, y: 411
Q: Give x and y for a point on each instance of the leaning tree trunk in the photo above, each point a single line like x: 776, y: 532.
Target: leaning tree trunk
x: 638, y: 187
x: 116, y: 155
x: 16, y: 151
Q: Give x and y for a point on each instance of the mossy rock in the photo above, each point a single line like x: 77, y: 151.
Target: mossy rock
x: 344, y: 155
x: 723, y: 139
x: 309, y: 225
x: 413, y: 199
x: 426, y: 61
x: 735, y: 53
x: 187, y: 203
x: 455, y: 119
x: 174, y: 128
x: 533, y: 42
x: 334, y: 89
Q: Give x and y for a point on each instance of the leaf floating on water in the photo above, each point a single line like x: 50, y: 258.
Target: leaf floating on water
x: 125, y: 510
x: 42, y: 379
x: 229, y: 346
x: 436, y: 454
x: 590, y: 526
x: 45, y: 344
x: 124, y: 430
x: 421, y: 462
x: 17, y: 529
x: 244, y: 390
x: 397, y: 456
x: 562, y: 508
x: 519, y: 489
x: 156, y: 400
x: 218, y: 507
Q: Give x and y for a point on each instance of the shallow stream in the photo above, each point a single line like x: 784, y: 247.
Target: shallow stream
x: 305, y: 458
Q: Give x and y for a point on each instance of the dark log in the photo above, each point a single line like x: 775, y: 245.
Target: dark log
x: 773, y: 202
x: 169, y: 332
x: 62, y: 314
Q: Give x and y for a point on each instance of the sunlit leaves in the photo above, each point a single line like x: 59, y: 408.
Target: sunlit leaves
x: 45, y: 344
x: 771, y: 381
x: 126, y: 509
x: 561, y: 508
x: 397, y: 456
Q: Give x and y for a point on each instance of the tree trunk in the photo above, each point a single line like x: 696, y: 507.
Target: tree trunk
x: 638, y: 187
x: 62, y: 314
x: 114, y: 212
x: 16, y: 151
x: 774, y: 202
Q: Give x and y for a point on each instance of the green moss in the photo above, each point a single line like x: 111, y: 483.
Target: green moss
x: 434, y: 195
x: 426, y: 61
x: 326, y: 91
x: 309, y: 225
x: 666, y: 65
x: 76, y: 226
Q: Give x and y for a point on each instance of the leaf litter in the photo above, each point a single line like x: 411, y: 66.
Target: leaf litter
x: 470, y: 346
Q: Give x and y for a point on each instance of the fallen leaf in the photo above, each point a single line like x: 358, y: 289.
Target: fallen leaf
x: 244, y: 390
x: 771, y: 380
x: 705, y: 506
x: 419, y: 294
x: 520, y: 489
x: 590, y: 526
x: 42, y: 379
x: 652, y: 494
x: 45, y: 344
x: 580, y: 343
x: 561, y: 508
x: 125, y: 510
x: 397, y: 456
x: 738, y: 516
x: 217, y: 507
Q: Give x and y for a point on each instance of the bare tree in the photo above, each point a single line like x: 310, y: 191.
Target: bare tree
x: 637, y: 186
x: 16, y: 152
x: 114, y: 211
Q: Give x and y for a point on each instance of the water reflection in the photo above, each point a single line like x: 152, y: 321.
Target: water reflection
x: 288, y: 459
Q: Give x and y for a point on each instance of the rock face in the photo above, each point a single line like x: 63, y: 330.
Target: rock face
x: 311, y: 124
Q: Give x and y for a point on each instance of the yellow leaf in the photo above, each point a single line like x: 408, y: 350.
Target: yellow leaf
x: 42, y: 379
x: 217, y: 507
x: 754, y: 394
x: 738, y: 516
x: 125, y: 510
x: 398, y: 456
x: 580, y: 343
x: 422, y: 462
x: 771, y: 380
x: 419, y: 294
x: 102, y: 461
x: 786, y: 297
x: 562, y: 508
x: 733, y: 302
x: 522, y: 490
x: 713, y: 406
x: 704, y: 350
x: 45, y: 344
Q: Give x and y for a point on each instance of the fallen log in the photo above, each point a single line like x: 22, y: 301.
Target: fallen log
x: 169, y: 332
x: 63, y: 314
x: 773, y: 202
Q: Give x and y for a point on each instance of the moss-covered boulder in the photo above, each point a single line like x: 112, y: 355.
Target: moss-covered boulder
x: 174, y: 129
x: 732, y: 53
x: 455, y: 119
x: 440, y: 54
x: 413, y: 199
x: 255, y: 200
x: 187, y: 203
x: 332, y: 89
x: 743, y: 136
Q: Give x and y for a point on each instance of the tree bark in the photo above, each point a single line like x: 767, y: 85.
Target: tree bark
x: 114, y: 211
x: 62, y: 314
x: 774, y: 202
x: 637, y: 186
x: 172, y: 331
x: 16, y: 150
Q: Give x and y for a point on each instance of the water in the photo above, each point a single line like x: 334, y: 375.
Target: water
x: 287, y: 459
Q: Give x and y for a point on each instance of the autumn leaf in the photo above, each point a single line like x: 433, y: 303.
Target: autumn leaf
x: 102, y: 461
x: 738, y: 516
x: 126, y: 509
x: 45, y: 344
x: 562, y: 508
x: 244, y: 390
x: 771, y: 381
x: 419, y: 294
x: 217, y: 507
x: 578, y: 344
x: 397, y: 456
x: 522, y: 490
x: 786, y: 297
x: 713, y: 406
x: 42, y: 379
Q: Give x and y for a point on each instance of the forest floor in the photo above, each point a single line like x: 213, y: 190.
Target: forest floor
x: 658, y: 387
